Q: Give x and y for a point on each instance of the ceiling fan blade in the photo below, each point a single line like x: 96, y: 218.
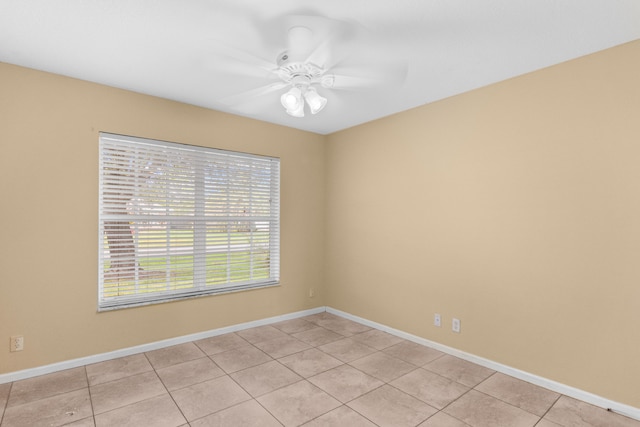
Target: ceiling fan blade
x: 250, y: 95
x: 231, y: 67
x: 325, y: 56
x: 230, y: 60
x: 364, y: 78
x: 335, y: 45
x: 342, y: 82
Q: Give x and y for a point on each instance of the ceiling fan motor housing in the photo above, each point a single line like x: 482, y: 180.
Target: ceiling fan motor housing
x: 298, y: 73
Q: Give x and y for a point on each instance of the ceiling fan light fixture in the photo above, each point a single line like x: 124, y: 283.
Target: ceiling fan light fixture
x: 315, y: 101
x: 292, y: 99
x: 293, y: 102
x: 299, y: 112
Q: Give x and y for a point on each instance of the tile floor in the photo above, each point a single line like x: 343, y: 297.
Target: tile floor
x: 320, y: 370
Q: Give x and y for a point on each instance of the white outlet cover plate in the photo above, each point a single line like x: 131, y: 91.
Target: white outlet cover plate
x: 455, y: 325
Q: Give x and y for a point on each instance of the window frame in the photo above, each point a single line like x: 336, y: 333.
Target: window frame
x: 208, y: 171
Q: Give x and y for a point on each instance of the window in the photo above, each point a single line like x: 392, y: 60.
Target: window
x: 180, y: 221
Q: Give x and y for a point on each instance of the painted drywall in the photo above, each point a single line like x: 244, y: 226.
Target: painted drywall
x: 515, y: 208
x: 49, y: 196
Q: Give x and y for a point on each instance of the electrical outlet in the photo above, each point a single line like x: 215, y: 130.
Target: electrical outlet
x: 312, y: 292
x: 16, y: 343
x: 437, y: 321
x: 455, y: 325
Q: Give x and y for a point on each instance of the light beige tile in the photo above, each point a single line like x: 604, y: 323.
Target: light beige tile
x: 116, y: 394
x: 342, y: 416
x: 317, y: 336
x: 389, y: 407
x: 189, y: 373
x: 377, y: 339
x: 320, y: 316
x: 173, y: 355
x: 310, y: 362
x: 443, y: 420
x: 158, y: 411
x: 347, y: 350
x: 431, y: 388
x: 211, y: 396
x: 55, y: 410
x: 221, y: 343
x: 247, y: 414
x: 413, y: 353
x: 240, y: 358
x: 280, y: 347
x: 326, y: 319
x: 524, y: 395
x: 4, y: 396
x: 570, y: 412
x: 382, y: 366
x: 85, y: 422
x: 265, y: 378
x: 459, y: 370
x: 480, y: 410
x: 342, y: 326
x: 298, y: 403
x: 545, y: 423
x: 37, y: 388
x: 261, y: 333
x: 345, y: 383
x: 351, y: 328
x: 115, y: 369
x: 294, y: 325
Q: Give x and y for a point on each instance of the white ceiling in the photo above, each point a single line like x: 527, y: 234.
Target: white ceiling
x: 170, y: 48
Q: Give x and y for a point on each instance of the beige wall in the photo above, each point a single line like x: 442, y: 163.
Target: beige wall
x: 49, y: 191
x: 515, y: 208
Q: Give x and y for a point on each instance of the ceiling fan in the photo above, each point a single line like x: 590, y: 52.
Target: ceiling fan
x: 315, y: 55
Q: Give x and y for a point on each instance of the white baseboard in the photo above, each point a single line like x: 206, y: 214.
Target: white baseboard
x: 620, y: 408
x: 74, y: 363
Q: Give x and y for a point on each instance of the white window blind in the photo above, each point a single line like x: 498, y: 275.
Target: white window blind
x: 179, y: 221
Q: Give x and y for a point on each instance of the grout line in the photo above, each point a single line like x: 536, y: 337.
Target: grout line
x: 93, y: 413
x: 167, y: 389
x: 550, y: 407
x: 511, y: 404
x: 268, y: 411
x: 6, y: 403
x: 455, y: 400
